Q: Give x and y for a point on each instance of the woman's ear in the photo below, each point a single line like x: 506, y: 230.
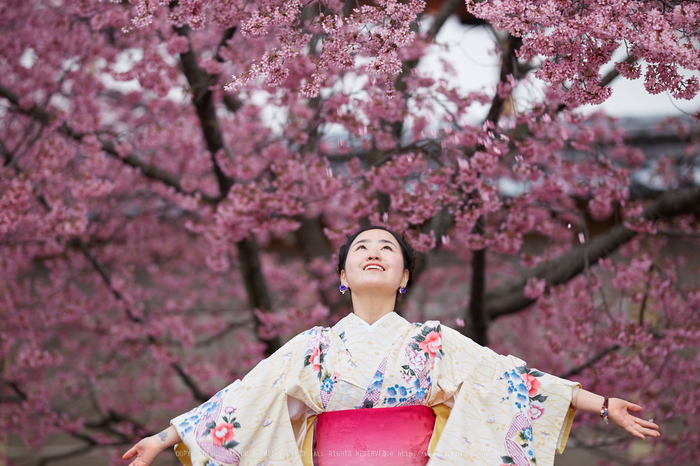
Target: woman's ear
x: 404, y: 280
x: 343, y: 280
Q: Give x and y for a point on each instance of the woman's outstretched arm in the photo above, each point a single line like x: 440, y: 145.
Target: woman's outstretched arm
x: 148, y: 448
x: 618, y: 412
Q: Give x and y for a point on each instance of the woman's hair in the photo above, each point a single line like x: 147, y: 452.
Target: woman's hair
x: 406, y: 250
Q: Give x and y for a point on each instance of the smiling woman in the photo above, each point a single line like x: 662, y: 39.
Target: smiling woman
x: 436, y: 397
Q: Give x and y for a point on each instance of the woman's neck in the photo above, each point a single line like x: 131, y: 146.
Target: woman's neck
x: 371, y: 308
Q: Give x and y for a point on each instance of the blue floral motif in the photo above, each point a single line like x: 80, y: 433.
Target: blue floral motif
x: 411, y: 395
x: 530, y: 453
x: 378, y: 380
x: 518, y: 380
x: 517, y: 387
x: 187, y: 426
x: 327, y: 385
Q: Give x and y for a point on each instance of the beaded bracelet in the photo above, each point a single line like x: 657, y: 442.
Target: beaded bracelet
x: 604, y: 411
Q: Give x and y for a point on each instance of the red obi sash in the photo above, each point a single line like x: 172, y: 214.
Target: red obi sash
x: 375, y: 436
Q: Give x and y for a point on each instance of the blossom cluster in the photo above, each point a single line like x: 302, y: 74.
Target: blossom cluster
x: 155, y: 227
x: 577, y: 39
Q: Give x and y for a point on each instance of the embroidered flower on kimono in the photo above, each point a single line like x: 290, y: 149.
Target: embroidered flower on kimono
x: 327, y: 385
x: 229, y: 409
x: 512, y: 376
x: 416, y: 359
x: 432, y: 343
x: 222, y: 433
x: 536, y: 410
x: 315, y: 359
x: 527, y: 433
x: 378, y: 380
x: 530, y: 453
x: 391, y: 401
x: 402, y: 391
x: 391, y: 391
x: 212, y: 407
x: 531, y: 383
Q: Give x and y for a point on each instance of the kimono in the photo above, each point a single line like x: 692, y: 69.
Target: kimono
x: 490, y: 409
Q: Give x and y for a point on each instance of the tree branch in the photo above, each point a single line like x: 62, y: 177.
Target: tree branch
x: 313, y: 244
x: 256, y: 288
x: 149, y: 171
x: 509, y: 67
x: 197, y: 393
x: 203, y: 99
x: 477, y: 312
x: 71, y: 454
x: 578, y: 369
x: 448, y: 7
x: 510, y: 298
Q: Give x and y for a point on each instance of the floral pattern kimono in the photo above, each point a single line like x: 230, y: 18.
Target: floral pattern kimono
x: 491, y: 409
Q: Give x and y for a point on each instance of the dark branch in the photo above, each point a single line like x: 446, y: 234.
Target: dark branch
x: 578, y: 369
x: 509, y: 67
x: 258, y: 294
x: 477, y: 314
x: 148, y: 170
x: 71, y: 454
x: 613, y: 73
x: 448, y: 7
x: 203, y: 99
x: 197, y: 393
x: 104, y: 274
x: 509, y: 299
x: 314, y: 244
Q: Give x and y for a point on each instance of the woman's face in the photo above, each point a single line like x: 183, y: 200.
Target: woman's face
x: 374, y: 262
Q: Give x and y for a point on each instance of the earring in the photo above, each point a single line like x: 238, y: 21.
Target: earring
x: 402, y: 290
x: 343, y: 288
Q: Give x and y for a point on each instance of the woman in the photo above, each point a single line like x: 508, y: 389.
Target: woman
x: 484, y: 408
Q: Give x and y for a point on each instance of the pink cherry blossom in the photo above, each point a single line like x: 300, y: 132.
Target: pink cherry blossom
x: 150, y: 219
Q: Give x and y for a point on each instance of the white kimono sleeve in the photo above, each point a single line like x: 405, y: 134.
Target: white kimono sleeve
x: 503, y: 412
x: 249, y: 421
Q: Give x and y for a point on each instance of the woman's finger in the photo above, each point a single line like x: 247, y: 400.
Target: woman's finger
x: 635, y: 432
x: 647, y: 424
x: 130, y: 453
x: 633, y: 407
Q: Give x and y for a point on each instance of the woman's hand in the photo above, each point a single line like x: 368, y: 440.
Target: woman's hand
x: 145, y: 451
x: 149, y: 448
x: 619, y: 413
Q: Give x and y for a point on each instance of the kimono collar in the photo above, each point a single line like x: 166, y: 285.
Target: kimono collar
x: 390, y: 319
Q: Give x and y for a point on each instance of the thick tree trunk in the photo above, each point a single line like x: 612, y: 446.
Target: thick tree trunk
x: 476, y: 312
x: 479, y: 318
x: 248, y: 254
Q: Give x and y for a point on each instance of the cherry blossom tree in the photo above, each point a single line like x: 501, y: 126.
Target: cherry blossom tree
x: 177, y: 176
